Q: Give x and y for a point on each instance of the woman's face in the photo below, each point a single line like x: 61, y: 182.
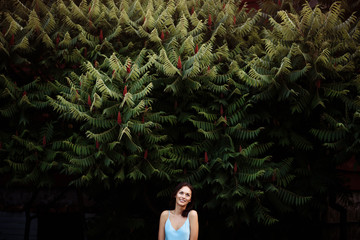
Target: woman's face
x: 183, y: 196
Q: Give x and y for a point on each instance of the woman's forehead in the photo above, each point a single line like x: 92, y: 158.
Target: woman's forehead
x: 185, y: 189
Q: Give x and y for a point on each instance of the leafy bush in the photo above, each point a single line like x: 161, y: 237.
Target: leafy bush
x: 248, y: 107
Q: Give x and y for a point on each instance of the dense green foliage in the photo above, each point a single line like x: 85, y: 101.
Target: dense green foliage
x: 255, y: 109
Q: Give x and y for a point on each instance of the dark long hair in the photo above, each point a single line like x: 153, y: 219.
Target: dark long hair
x: 190, y: 205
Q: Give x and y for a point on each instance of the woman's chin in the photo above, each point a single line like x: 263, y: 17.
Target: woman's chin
x: 182, y: 204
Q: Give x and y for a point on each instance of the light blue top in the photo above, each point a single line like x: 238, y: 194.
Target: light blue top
x: 182, y: 233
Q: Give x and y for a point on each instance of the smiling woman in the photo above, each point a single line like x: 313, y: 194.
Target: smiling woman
x: 182, y: 222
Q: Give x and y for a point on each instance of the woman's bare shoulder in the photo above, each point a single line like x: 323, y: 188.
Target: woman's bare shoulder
x: 193, y: 213
x: 164, y: 213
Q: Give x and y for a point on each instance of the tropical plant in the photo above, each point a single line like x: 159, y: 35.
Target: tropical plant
x: 305, y: 82
x: 256, y: 110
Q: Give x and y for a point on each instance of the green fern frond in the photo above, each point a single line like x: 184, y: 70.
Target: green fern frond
x: 301, y: 143
x: 211, y: 135
x: 250, y: 176
x: 335, y: 91
x: 78, y: 149
x: 328, y: 135
x: 241, y: 133
x: 21, y: 167
x: 292, y: 198
x: 154, y: 36
x: 21, y: 9
x: 47, y: 41
x: 34, y: 23
x: 203, y: 112
x: 160, y: 117
x: 106, y: 91
x: 14, y: 26
x: 67, y: 41
x: 235, y: 105
x: 29, y: 145
x: 297, y: 74
x: 284, y: 180
x: 289, y: 28
x: 198, y: 174
x: 149, y: 22
x: 206, y: 126
x: 144, y: 92
x: 85, y: 38
x: 263, y: 216
x: 100, y: 122
x: 24, y: 46
x: 153, y: 139
x: 3, y: 49
x: 245, y: 28
x: 9, y: 110
x: 198, y: 29
x: 256, y: 149
x: 166, y: 66
x: 105, y: 136
x: 62, y: 107
x: 137, y: 110
x: 324, y: 57
x: 252, y: 82
x: 334, y: 14
x: 285, y: 67
x: 136, y: 174
x: 219, y: 31
x: 85, y: 162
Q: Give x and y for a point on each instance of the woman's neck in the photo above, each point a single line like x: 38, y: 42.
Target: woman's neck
x: 178, y: 210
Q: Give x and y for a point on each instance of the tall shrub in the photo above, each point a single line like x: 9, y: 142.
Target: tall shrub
x: 248, y: 107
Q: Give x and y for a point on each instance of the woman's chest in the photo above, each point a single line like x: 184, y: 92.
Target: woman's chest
x: 177, y: 221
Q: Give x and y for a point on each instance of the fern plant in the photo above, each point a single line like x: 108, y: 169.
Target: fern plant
x: 119, y: 137
x: 26, y: 143
x: 211, y: 103
x: 304, y: 81
x: 246, y: 105
x: 303, y: 74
